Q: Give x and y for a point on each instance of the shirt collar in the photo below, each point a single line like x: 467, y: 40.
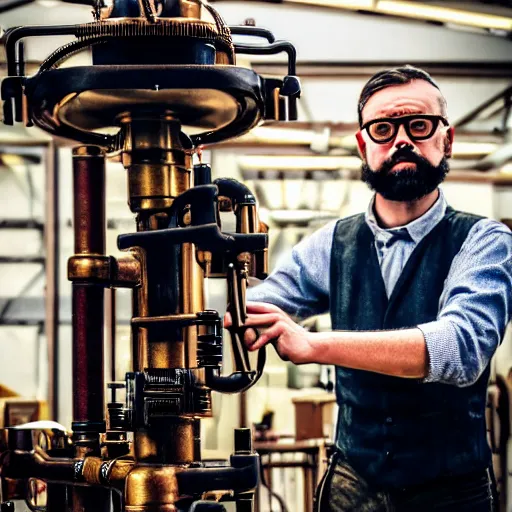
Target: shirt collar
x: 417, y: 229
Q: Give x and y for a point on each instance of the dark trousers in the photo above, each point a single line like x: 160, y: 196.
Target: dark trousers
x: 342, y: 489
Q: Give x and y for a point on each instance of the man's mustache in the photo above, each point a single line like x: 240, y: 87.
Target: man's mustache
x: 402, y: 155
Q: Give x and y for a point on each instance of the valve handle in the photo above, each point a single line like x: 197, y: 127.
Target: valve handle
x: 243, y: 377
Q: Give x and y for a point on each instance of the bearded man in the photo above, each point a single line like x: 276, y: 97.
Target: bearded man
x: 419, y: 296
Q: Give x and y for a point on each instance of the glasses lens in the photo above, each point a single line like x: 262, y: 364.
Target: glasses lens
x: 381, y: 131
x: 421, y: 128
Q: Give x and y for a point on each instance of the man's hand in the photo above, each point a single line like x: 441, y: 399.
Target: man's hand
x: 291, y: 341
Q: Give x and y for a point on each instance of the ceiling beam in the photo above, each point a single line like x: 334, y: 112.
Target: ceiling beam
x: 359, y: 70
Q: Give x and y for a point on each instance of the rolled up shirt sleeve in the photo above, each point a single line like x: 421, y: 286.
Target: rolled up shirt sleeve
x: 300, y: 284
x: 474, y: 308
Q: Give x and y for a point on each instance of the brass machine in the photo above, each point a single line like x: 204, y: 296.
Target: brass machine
x: 163, y: 83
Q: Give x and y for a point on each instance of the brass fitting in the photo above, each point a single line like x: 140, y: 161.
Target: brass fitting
x: 152, y: 488
x: 124, y: 271
x: 112, y: 473
x: 158, y: 166
x: 90, y: 268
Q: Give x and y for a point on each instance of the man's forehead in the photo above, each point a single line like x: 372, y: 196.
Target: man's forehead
x: 414, y: 97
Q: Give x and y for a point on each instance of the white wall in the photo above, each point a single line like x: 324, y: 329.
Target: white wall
x: 323, y: 35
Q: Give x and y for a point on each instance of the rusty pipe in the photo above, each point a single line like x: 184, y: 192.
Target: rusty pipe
x: 18, y: 464
x: 88, y: 298
x: 88, y: 383
x: 89, y: 200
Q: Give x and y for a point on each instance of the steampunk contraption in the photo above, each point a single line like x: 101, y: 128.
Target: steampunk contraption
x: 163, y: 83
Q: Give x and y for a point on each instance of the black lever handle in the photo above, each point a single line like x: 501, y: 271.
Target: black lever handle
x: 207, y: 238
x: 247, y: 30
x: 202, y: 201
x: 244, y: 377
x: 236, y: 191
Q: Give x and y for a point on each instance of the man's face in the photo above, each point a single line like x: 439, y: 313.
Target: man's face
x: 404, y: 168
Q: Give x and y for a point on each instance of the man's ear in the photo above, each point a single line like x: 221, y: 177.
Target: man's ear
x: 361, y: 145
x: 448, y: 144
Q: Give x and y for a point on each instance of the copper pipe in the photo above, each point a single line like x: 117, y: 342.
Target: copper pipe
x: 89, y: 200
x: 88, y: 299
x: 18, y: 464
x: 88, y: 383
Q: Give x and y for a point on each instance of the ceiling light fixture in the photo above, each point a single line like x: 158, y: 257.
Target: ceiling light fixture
x: 419, y: 10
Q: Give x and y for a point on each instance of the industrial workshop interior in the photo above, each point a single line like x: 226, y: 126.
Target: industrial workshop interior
x: 194, y: 196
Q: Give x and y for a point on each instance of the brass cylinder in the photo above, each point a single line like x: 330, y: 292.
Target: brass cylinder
x: 157, y: 164
x: 178, y: 443
x: 192, y: 299
x: 159, y: 169
x: 166, y: 354
x: 152, y: 488
x: 153, y: 187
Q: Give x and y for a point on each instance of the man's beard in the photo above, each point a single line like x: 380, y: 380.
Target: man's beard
x: 409, y: 183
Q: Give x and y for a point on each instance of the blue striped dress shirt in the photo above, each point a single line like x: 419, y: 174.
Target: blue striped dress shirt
x: 474, y: 308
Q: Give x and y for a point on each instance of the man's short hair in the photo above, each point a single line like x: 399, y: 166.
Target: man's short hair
x: 394, y: 76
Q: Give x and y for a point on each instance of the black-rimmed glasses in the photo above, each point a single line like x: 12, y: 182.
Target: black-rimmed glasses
x: 417, y: 127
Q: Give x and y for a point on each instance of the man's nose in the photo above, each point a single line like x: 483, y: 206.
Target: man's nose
x: 401, y: 138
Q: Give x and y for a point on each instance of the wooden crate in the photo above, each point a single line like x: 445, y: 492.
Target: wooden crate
x: 314, y: 416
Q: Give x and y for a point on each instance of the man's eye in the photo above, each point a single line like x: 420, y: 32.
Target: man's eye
x: 382, y: 129
x: 420, y: 126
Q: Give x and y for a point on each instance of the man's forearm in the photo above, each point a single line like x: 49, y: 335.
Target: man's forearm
x: 401, y: 353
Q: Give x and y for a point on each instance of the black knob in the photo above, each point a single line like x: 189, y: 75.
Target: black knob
x: 291, y: 87
x: 202, y: 174
x: 243, y: 440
